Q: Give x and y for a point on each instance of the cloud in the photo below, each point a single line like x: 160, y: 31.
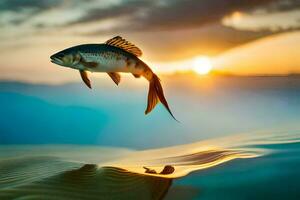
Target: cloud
x: 114, y: 11
x: 283, y: 6
x: 175, y: 14
x: 187, y: 26
x: 140, y: 14
x: 258, y: 21
x: 143, y: 15
x: 16, y: 12
x: 19, y: 5
x: 209, y: 40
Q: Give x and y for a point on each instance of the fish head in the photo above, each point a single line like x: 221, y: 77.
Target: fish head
x: 67, y: 58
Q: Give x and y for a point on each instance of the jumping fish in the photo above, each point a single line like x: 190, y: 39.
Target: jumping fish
x: 114, y: 56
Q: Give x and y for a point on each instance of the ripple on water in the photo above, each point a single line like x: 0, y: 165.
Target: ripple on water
x: 135, y: 175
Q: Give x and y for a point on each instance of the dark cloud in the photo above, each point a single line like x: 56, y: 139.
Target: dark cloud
x: 190, y: 14
x: 151, y: 14
x: 174, y: 14
x: 128, y: 8
x: 283, y: 5
x: 208, y: 40
x: 18, y: 5
x: 30, y: 8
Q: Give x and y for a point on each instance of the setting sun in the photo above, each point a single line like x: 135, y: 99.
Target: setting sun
x: 202, y: 65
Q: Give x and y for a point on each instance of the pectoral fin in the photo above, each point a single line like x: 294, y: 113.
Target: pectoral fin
x: 136, y: 75
x: 116, y: 77
x: 85, y: 78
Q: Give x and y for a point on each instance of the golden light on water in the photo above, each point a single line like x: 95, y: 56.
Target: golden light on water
x: 202, y: 65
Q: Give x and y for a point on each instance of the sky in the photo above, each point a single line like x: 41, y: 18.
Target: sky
x: 239, y: 36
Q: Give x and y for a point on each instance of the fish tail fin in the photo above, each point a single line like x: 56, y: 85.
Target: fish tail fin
x: 155, y: 95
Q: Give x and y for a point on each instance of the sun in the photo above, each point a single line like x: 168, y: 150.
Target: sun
x: 202, y: 65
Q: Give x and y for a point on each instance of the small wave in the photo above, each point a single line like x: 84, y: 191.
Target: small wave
x: 205, y: 154
x: 69, y: 172
x: 49, y: 178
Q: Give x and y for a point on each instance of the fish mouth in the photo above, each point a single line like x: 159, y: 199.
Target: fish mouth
x: 56, y: 60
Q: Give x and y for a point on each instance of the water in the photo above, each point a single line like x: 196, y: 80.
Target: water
x: 230, y: 166
x: 238, y: 139
x: 274, y: 176
x: 108, y: 115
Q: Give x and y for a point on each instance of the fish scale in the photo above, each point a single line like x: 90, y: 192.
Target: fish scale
x: 107, y: 62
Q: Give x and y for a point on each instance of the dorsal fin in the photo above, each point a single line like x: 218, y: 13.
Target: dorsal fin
x: 125, y: 45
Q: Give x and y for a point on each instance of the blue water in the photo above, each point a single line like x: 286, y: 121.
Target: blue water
x: 114, y: 116
x: 274, y: 176
x: 70, y: 114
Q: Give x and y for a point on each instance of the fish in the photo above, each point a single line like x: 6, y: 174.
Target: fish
x: 115, y: 56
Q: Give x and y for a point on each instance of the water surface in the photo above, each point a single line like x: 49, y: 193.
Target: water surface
x: 257, y: 164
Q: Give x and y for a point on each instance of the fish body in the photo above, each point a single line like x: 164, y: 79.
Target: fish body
x: 115, y: 56
x: 104, y: 58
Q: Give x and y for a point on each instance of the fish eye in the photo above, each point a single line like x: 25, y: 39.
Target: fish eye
x: 60, y: 55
